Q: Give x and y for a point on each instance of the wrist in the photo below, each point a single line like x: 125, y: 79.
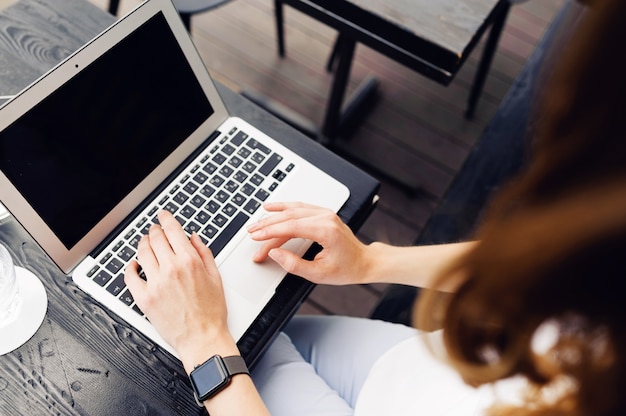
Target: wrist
x: 374, y: 257
x: 196, y: 353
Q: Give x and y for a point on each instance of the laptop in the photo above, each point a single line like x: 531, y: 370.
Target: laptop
x: 130, y: 124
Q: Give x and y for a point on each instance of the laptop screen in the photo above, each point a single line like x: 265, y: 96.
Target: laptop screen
x: 78, y: 153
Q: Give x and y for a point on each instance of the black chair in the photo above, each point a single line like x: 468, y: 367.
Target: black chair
x: 185, y: 8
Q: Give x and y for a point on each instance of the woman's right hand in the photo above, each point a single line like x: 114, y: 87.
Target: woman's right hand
x: 343, y: 258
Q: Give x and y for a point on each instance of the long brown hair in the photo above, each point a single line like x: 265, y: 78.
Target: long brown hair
x: 553, y: 245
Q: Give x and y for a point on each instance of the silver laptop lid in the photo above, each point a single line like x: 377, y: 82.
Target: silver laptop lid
x: 85, y: 144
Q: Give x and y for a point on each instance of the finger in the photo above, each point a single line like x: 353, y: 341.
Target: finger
x: 308, y: 228
x: 173, y: 232
x: 284, y: 212
x: 262, y: 252
x: 146, y: 256
x: 281, y: 206
x: 135, y: 284
x: 205, y: 254
x: 294, y: 264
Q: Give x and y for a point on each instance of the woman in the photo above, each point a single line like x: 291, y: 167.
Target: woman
x: 536, y: 308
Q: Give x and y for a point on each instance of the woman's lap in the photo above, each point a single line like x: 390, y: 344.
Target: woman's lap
x: 319, y: 364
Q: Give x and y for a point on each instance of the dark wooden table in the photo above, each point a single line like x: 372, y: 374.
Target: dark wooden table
x: 83, y: 359
x: 431, y: 37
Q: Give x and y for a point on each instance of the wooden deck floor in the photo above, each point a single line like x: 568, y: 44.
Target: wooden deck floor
x: 416, y: 131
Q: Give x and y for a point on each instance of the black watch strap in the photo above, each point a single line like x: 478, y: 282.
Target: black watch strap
x: 235, y: 365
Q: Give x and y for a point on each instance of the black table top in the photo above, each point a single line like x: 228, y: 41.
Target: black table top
x: 84, y: 359
x: 432, y: 37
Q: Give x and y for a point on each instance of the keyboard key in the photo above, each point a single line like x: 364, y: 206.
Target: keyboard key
x: 197, y: 201
x: 257, y: 158
x: 244, y: 152
x: 249, y: 167
x: 219, y: 220
x: 219, y: 158
x: 226, y: 171
x: 228, y: 149
x: 262, y: 194
x: 231, y: 186
x: 136, y: 309
x: 192, y: 227
x: 207, y: 191
x: 126, y: 254
x: 114, y: 266
x: 209, y: 168
x: 216, y: 181
x: 248, y: 189
x: 200, y: 178
x: 93, y: 270
x: 117, y: 285
x: 181, y: 197
x: 171, y: 207
x: 209, y: 231
x: 252, y: 206
x: 127, y: 298
x: 229, y: 210
x: 235, y: 161
x: 221, y: 196
x: 253, y: 144
x: 118, y: 245
x: 257, y: 179
x: 202, y: 217
x: 225, y: 236
x: 102, y: 278
x: 212, y: 207
x: 191, y: 188
x: 105, y: 258
x: 271, y: 163
x: 134, y: 242
x: 187, y: 211
x: 239, y: 138
x: 240, y: 177
x: 238, y: 199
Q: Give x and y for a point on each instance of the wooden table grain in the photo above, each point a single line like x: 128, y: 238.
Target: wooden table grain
x: 84, y: 360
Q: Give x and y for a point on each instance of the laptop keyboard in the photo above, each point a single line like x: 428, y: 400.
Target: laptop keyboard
x: 214, y: 198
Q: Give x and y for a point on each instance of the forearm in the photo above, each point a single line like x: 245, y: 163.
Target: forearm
x: 417, y: 266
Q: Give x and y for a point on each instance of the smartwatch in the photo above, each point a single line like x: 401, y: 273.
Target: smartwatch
x: 214, y: 374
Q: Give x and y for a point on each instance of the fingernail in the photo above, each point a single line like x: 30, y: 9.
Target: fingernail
x: 275, y: 255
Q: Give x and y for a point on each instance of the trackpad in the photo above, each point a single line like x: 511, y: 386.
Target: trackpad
x: 256, y: 282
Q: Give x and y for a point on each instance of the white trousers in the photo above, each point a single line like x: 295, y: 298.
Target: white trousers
x: 318, y: 365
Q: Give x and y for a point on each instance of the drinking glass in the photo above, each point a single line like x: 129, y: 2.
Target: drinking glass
x: 10, y: 298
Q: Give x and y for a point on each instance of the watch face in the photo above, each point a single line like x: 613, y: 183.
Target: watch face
x: 209, y: 378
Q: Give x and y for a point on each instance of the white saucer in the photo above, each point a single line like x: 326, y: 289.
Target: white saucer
x: 31, y: 313
x: 3, y: 212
